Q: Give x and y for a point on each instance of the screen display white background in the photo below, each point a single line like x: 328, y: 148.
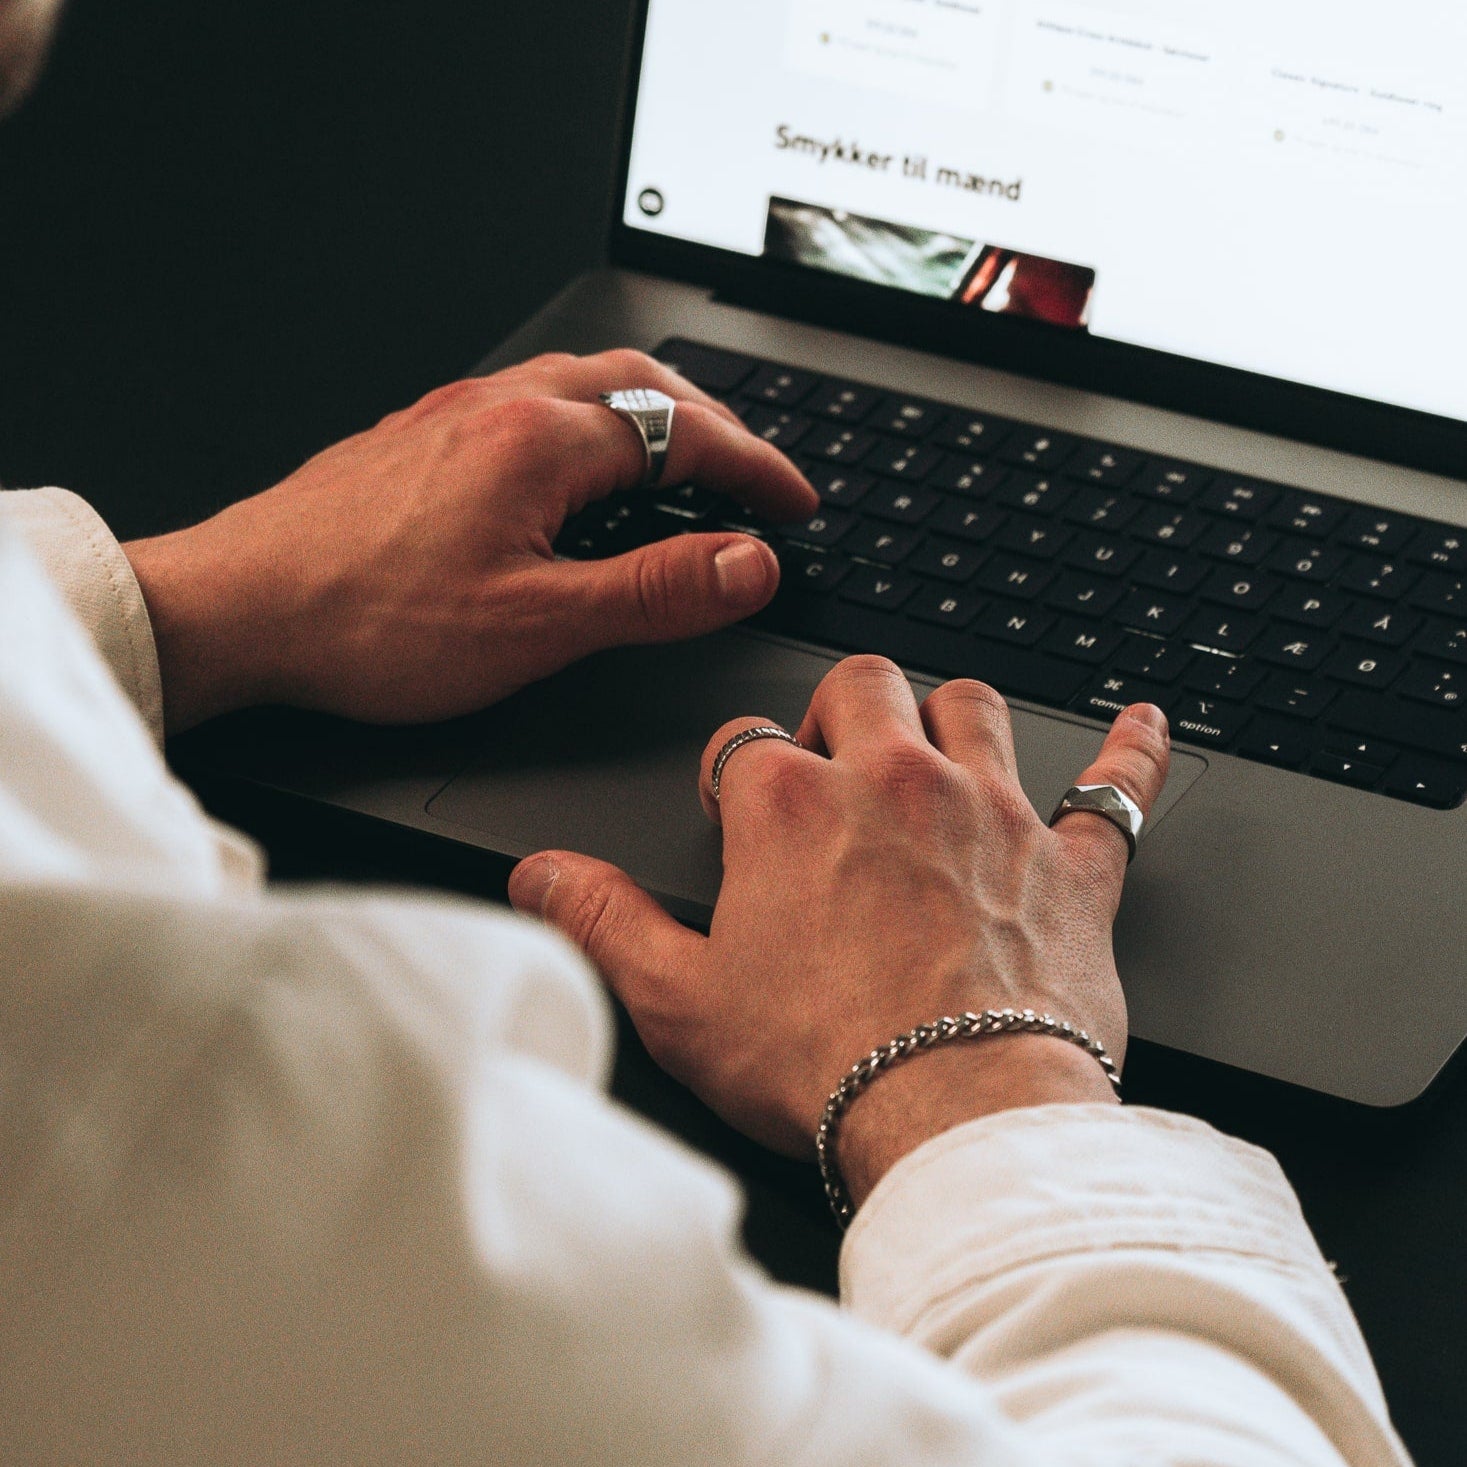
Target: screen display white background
x: 1274, y: 185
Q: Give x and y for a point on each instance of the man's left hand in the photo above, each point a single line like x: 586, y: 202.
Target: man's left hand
x: 406, y: 575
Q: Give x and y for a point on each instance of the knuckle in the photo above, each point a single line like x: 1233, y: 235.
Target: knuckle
x: 969, y: 693
x: 635, y: 365
x: 865, y: 667
x: 1008, y: 812
x: 590, y: 919
x: 787, y: 782
x: 551, y: 362
x: 452, y: 396
x: 523, y: 421
x: 653, y: 589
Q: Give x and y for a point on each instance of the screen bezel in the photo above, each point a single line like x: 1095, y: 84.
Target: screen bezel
x: 1251, y: 400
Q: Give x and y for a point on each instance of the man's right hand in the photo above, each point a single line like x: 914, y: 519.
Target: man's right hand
x: 890, y: 872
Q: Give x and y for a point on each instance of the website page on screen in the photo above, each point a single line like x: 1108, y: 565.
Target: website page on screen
x: 1274, y: 185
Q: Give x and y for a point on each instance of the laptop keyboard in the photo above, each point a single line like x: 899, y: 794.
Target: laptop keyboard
x: 1271, y: 623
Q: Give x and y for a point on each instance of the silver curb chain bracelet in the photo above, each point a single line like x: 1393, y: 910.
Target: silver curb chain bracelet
x: 986, y: 1025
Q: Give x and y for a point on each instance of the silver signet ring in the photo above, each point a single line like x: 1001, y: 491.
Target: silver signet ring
x: 650, y: 412
x: 1108, y: 802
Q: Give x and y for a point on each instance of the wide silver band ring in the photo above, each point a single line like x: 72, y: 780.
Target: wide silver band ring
x: 651, y: 413
x: 737, y: 742
x: 1108, y: 802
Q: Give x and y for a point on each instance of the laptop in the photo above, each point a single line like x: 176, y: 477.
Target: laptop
x: 1121, y: 341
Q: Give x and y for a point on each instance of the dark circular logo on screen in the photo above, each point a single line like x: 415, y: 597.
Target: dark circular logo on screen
x: 651, y: 202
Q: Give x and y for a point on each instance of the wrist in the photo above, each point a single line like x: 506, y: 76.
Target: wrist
x: 212, y: 640
x: 937, y: 1089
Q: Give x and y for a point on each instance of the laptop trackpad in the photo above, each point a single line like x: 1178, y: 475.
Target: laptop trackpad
x: 603, y: 758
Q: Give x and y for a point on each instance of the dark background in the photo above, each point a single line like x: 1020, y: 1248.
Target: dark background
x: 231, y: 233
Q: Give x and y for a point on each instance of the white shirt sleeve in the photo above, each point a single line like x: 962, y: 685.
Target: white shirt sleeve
x: 319, y: 1177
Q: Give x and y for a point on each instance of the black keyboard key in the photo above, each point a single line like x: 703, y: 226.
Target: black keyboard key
x: 970, y: 476
x: 1153, y: 661
x: 944, y: 607
x: 1199, y: 719
x: 972, y: 432
x: 1237, y: 544
x: 1352, y: 746
x: 825, y: 528
x: 1307, y: 514
x: 1446, y: 595
x: 1431, y: 730
x: 1276, y: 741
x: 1310, y: 608
x: 1146, y: 611
x: 1160, y: 524
x: 780, y: 386
x: 1163, y: 571
x: 1101, y: 557
x: 690, y: 502
x: 882, y: 589
x: 1239, y: 499
x: 844, y: 402
x: 1101, y: 511
x: 1345, y: 770
x: 977, y: 523
x: 840, y: 487
x: 1084, y: 595
x: 1109, y: 695
x: 902, y: 504
x: 1007, y: 575
x: 1366, y: 667
x: 1083, y: 642
x: 1020, y: 625
x: 1242, y: 590
x: 1043, y: 539
x: 1440, y: 547
x: 782, y: 429
x: 1173, y: 483
x: 1301, y: 650
x: 1376, y: 530
x: 1037, y: 448
x: 1390, y: 626
x: 888, y: 544
x: 1113, y: 468
x: 1427, y: 781
x: 1445, y: 639
x: 1299, y: 697
x: 813, y: 571
x: 1226, y: 677
x: 1370, y: 576
x: 907, y: 417
x: 1222, y: 631
x: 1435, y: 683
x: 838, y: 445
x: 1033, y: 492
x: 714, y: 371
x: 1305, y: 562
x: 911, y: 462
x: 948, y: 560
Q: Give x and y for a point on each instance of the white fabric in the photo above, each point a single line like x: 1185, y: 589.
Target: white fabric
x: 318, y: 1177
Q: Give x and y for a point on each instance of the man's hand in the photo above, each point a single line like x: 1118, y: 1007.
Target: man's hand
x: 406, y: 575
x: 889, y: 873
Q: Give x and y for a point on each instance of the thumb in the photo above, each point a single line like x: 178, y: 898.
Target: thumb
x: 683, y: 587
x: 631, y: 940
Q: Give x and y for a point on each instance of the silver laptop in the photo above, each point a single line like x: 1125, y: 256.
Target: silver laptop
x: 1122, y: 341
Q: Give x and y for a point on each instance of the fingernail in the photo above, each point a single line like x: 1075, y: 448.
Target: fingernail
x: 1150, y: 715
x: 532, y: 884
x: 743, y: 572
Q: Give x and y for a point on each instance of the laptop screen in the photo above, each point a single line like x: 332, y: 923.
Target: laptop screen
x: 1273, y: 185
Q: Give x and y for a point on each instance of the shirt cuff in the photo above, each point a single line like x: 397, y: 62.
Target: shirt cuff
x: 87, y: 565
x: 1051, y: 1184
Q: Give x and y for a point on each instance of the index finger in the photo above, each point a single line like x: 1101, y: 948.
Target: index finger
x: 593, y: 452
